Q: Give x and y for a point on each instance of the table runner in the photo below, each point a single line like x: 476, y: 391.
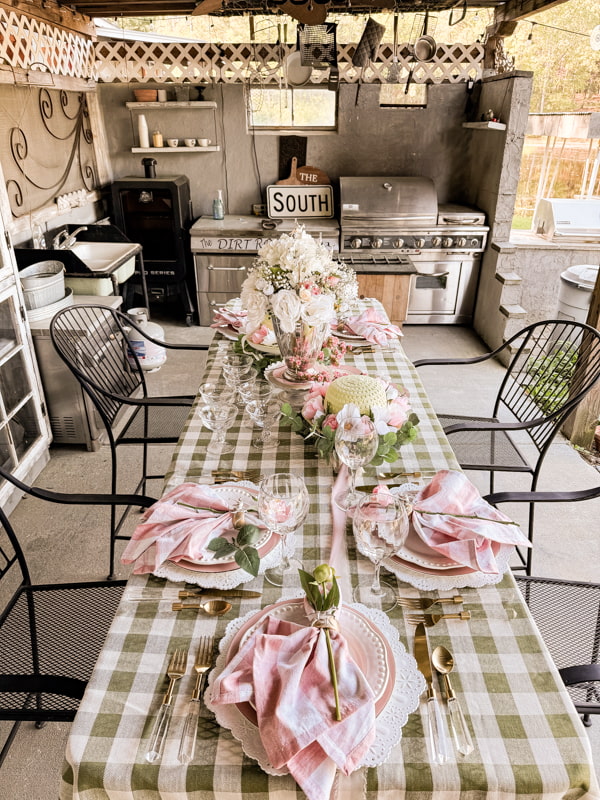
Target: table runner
x: 529, y: 740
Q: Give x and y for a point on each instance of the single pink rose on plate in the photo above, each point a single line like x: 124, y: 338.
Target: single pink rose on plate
x: 259, y: 335
x: 313, y: 407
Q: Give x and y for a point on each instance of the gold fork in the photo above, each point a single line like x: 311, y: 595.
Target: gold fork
x: 429, y: 620
x: 425, y: 603
x: 175, y: 671
x: 190, y: 730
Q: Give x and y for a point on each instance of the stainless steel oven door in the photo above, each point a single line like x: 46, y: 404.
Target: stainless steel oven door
x: 219, y: 278
x: 444, y: 289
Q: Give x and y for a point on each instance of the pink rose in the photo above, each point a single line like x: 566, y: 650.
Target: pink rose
x: 313, y: 407
x: 332, y: 280
x: 398, y: 410
x: 259, y: 335
x: 318, y: 390
x: 330, y: 421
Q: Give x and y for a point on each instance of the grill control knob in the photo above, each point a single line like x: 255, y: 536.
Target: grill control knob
x: 376, y: 242
x: 419, y: 243
x: 355, y: 243
x: 447, y: 242
x: 436, y: 241
x: 397, y: 242
x: 474, y: 242
x: 461, y: 242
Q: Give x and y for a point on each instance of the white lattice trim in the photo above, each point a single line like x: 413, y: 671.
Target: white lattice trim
x: 158, y: 62
x: 29, y: 43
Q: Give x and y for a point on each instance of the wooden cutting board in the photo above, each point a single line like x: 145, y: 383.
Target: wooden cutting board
x: 293, y: 180
x: 312, y: 176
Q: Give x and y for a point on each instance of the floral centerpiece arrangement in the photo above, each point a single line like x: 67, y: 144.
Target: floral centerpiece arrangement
x: 296, y: 281
x: 330, y: 404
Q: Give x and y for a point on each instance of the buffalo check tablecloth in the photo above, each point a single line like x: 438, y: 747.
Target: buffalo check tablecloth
x: 529, y: 742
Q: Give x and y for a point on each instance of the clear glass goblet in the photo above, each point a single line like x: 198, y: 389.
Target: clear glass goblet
x: 380, y: 526
x: 218, y: 417
x: 264, y: 414
x: 212, y: 391
x: 235, y: 362
x: 356, y: 442
x: 283, y: 504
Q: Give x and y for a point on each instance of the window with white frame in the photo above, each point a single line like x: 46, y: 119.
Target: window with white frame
x: 306, y: 108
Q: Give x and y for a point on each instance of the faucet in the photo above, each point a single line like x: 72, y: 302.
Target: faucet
x: 65, y: 240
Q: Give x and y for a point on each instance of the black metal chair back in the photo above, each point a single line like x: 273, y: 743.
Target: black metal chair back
x: 50, y: 634
x: 92, y: 341
x: 555, y: 365
x: 567, y: 614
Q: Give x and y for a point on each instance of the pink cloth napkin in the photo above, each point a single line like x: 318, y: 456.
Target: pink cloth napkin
x: 283, y: 669
x: 229, y: 318
x: 171, y: 531
x: 465, y: 541
x: 373, y: 327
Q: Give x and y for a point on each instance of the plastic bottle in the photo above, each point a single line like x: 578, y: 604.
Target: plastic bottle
x: 218, y: 210
x: 157, y: 139
x: 151, y: 356
x: 143, y: 131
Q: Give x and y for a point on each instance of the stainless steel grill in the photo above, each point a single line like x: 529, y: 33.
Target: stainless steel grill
x: 560, y: 220
x: 388, y: 223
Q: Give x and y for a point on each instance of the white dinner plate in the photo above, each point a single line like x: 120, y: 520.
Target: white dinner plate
x: 269, y: 349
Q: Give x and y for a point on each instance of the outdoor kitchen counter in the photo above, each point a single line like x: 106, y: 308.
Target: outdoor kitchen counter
x: 532, y: 241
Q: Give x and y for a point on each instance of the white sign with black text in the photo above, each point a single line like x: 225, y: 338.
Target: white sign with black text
x: 299, y: 201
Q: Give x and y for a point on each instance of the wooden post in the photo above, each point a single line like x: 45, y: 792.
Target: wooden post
x: 581, y: 425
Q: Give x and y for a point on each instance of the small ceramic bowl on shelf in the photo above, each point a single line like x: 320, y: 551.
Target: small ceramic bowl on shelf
x: 145, y: 95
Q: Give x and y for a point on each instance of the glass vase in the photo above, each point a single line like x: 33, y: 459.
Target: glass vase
x: 300, y: 348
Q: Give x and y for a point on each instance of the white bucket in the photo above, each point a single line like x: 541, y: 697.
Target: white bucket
x: 43, y: 283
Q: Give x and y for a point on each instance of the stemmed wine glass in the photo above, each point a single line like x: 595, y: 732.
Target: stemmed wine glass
x: 356, y: 442
x: 283, y: 505
x: 380, y: 526
x: 218, y: 417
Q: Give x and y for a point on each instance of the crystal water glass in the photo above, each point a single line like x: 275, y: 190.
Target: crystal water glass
x: 380, y: 525
x: 212, y: 391
x: 218, y: 417
x: 356, y: 442
x: 264, y: 414
x: 283, y: 504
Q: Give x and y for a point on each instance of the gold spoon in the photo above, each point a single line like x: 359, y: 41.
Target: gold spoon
x: 214, y: 608
x: 443, y: 661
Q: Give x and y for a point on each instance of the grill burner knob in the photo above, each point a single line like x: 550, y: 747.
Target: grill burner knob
x: 461, y: 242
x: 419, y: 243
x: 397, y: 242
x: 355, y: 243
x: 376, y: 242
x: 474, y: 243
x: 447, y: 242
x: 436, y: 241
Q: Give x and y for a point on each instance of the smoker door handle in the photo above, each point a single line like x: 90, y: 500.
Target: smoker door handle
x: 432, y: 274
x: 225, y: 269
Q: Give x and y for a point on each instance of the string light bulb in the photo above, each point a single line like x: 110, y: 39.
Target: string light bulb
x: 530, y: 37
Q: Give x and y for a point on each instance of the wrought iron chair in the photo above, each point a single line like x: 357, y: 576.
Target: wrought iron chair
x: 555, y: 364
x: 567, y: 614
x: 50, y: 634
x: 113, y: 378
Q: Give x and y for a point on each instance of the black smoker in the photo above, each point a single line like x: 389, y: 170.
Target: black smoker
x: 157, y: 213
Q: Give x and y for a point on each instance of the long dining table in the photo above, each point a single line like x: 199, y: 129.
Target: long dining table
x: 529, y: 741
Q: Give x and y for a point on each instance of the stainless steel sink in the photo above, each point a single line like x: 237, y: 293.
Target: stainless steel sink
x: 102, y: 256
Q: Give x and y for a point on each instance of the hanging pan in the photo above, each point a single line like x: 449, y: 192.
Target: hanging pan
x: 425, y: 47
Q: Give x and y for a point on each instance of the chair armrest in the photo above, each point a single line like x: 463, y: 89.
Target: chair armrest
x: 495, y: 425
x: 91, y: 499
x: 542, y: 497
x: 580, y: 674
x: 425, y: 362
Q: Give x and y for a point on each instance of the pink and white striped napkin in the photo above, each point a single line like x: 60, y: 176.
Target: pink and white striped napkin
x: 373, y: 326
x: 451, y: 501
x: 179, y: 526
x: 229, y: 318
x: 283, y: 669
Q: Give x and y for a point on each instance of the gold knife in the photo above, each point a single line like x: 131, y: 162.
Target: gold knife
x: 437, y: 730
x: 200, y: 592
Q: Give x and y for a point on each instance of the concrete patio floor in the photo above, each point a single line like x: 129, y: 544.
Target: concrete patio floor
x: 66, y: 543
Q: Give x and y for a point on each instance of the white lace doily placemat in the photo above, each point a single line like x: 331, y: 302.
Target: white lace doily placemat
x: 444, y: 582
x: 404, y: 698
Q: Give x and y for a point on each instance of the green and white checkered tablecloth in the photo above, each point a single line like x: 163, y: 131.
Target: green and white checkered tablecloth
x: 529, y: 740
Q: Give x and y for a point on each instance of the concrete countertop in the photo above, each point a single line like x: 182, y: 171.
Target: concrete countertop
x: 533, y: 241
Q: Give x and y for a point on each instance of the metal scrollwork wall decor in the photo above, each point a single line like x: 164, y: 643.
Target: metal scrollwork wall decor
x: 61, y: 156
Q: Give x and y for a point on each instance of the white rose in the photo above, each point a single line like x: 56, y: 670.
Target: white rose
x: 256, y: 305
x: 318, y: 310
x: 286, y: 307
